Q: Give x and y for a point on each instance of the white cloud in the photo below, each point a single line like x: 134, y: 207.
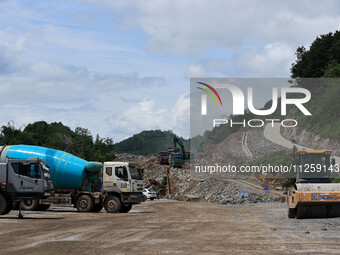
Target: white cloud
x: 8, y: 61
x: 271, y: 60
x: 147, y: 115
x: 74, y: 95
x: 46, y: 81
x: 80, y: 40
x: 195, y: 71
x: 190, y: 27
x: 259, y: 36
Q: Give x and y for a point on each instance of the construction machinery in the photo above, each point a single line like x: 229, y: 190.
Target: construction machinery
x: 23, y: 179
x: 176, y: 159
x: 163, y: 157
x: 89, y: 186
x: 313, y: 196
x: 185, y: 154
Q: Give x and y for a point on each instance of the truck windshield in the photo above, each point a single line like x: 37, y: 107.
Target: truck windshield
x: 135, y: 173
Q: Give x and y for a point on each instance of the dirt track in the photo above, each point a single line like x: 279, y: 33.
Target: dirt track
x: 162, y: 227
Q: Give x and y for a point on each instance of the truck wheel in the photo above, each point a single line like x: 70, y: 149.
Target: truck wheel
x: 84, y: 203
x: 29, y: 205
x: 3, y: 204
x: 112, y: 204
x: 125, y: 208
x: 9, y: 204
x: 291, y: 213
x: 97, y: 207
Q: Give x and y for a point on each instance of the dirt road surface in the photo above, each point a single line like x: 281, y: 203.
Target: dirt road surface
x: 163, y: 227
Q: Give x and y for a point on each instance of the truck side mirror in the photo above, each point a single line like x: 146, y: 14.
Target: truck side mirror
x: 333, y: 161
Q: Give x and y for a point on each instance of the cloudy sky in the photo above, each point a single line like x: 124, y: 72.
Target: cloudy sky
x: 120, y: 67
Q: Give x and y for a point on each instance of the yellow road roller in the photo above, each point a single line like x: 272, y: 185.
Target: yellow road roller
x: 313, y: 196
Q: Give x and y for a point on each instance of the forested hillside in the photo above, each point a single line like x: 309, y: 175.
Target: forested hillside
x: 322, y: 60
x: 57, y: 136
x: 148, y: 142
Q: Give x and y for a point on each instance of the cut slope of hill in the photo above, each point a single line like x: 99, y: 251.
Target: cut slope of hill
x: 148, y: 142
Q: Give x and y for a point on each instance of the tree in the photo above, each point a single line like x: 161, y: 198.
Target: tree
x: 332, y: 70
x: 313, y: 63
x: 60, y: 137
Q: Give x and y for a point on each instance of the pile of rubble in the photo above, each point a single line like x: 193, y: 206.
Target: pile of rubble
x: 126, y: 157
x: 149, y: 165
x: 259, y: 145
x: 213, y: 188
x: 227, y: 152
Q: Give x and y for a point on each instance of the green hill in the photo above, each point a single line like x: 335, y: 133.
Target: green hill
x: 322, y: 60
x: 148, y: 142
x: 57, y: 136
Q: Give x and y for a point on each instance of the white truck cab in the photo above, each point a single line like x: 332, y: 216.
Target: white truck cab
x: 121, y: 181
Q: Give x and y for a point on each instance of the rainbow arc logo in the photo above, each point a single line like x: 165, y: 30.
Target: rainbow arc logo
x: 209, y: 93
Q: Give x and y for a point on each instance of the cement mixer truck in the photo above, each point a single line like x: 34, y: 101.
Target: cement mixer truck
x: 89, y: 186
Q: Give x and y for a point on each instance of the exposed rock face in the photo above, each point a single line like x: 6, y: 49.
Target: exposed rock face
x: 259, y: 145
x: 309, y: 139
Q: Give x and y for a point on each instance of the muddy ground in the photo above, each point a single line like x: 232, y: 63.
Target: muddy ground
x: 163, y: 227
